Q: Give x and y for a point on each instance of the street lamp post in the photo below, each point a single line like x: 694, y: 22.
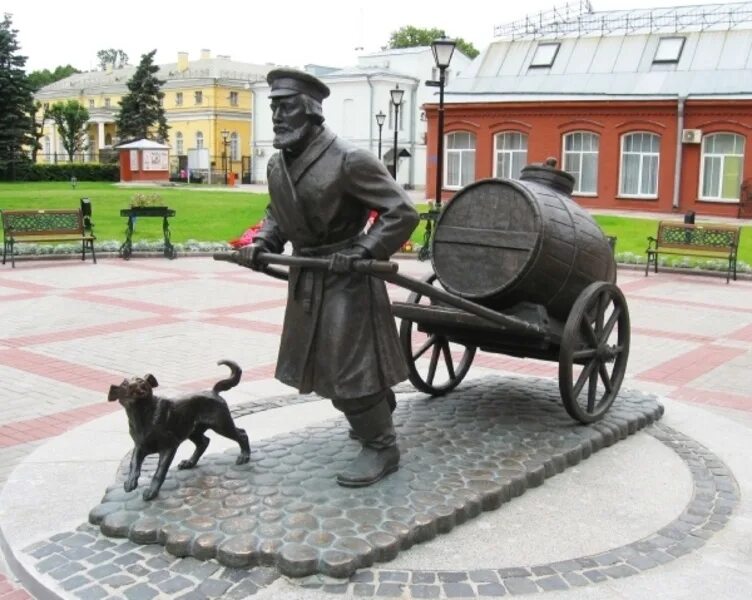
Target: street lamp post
x: 380, y: 118
x: 225, y: 141
x: 443, y: 49
x: 396, y: 94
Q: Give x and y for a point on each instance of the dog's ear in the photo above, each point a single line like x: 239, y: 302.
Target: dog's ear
x: 151, y: 380
x: 114, y: 393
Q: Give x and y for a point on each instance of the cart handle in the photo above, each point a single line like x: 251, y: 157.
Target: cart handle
x: 369, y: 266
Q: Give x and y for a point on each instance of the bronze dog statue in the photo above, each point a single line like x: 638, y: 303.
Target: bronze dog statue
x: 160, y: 425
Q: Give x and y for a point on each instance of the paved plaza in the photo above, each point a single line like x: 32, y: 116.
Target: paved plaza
x: 664, y: 513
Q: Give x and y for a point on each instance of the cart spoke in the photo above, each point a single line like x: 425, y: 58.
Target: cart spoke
x: 592, y: 390
x: 583, y: 378
x: 600, y: 311
x: 605, y: 377
x: 432, y: 365
x: 591, y: 338
x: 429, y: 342
x: 609, y: 327
x: 448, y: 360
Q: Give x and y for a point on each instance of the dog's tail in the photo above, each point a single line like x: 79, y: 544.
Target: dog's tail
x: 230, y: 382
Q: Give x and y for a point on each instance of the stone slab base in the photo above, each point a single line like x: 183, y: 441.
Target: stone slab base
x: 467, y: 452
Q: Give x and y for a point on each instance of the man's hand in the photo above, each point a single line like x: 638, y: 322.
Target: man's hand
x: 249, y: 255
x: 341, y: 262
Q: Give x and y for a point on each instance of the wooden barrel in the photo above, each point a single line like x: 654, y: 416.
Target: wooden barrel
x: 504, y: 241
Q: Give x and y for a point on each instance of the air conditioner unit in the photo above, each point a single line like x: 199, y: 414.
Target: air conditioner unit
x: 691, y: 136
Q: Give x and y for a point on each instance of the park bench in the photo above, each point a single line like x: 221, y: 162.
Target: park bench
x: 706, y: 240
x: 33, y: 226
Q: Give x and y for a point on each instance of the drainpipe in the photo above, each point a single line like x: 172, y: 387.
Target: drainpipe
x: 371, y: 114
x: 413, y: 125
x: 678, y: 165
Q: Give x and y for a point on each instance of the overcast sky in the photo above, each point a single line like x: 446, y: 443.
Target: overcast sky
x: 290, y: 32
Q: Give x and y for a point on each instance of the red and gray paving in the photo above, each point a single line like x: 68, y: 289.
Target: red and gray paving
x: 665, y: 513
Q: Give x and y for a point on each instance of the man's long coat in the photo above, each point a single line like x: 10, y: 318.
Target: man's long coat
x: 339, y: 337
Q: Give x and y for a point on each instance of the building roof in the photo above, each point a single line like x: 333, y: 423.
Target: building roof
x: 144, y: 144
x: 561, y: 61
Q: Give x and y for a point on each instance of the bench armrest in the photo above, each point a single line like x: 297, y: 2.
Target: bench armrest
x: 651, y: 243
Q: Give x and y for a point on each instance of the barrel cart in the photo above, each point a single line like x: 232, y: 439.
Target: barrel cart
x: 518, y: 269
x: 526, y: 250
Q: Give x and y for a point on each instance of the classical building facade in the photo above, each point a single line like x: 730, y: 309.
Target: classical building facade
x: 650, y: 110
x: 203, y: 98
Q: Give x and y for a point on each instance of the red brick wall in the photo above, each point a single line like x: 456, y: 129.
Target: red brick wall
x: 545, y: 123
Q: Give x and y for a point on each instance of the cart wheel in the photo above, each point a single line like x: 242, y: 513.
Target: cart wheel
x: 596, y: 336
x: 432, y: 359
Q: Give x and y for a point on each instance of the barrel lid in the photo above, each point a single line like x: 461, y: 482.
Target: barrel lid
x: 547, y: 174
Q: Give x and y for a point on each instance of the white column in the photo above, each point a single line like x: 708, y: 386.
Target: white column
x: 100, y: 135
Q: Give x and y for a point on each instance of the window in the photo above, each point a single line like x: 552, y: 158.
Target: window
x: 91, y: 103
x: 511, y: 154
x: 233, y: 98
x: 669, y: 50
x: 179, y: 143
x: 178, y: 98
x: 234, y: 146
x: 47, y: 147
x: 460, y: 159
x: 199, y: 140
x: 639, y: 165
x: 107, y: 103
x: 722, y: 160
x: 581, y: 160
x: 198, y: 97
x: 545, y: 54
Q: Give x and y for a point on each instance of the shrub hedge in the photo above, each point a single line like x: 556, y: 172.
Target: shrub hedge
x: 64, y: 172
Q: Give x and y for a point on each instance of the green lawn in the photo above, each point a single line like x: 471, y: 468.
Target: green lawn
x: 210, y: 215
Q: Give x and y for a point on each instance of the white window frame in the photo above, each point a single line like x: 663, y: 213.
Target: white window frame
x: 179, y: 150
x: 544, y: 55
x: 510, y: 152
x: 178, y: 98
x: 234, y: 146
x: 706, y: 139
x: 463, y: 154
x: 643, y: 156
x: 233, y: 98
x: 199, y: 140
x: 669, y: 49
x: 198, y: 97
x: 578, y: 191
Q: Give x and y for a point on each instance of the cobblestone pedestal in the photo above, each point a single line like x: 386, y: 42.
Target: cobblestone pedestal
x: 468, y: 452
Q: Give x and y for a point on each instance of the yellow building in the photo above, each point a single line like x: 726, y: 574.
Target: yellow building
x: 208, y: 104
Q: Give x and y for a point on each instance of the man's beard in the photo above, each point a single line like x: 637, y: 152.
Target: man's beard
x: 291, y: 139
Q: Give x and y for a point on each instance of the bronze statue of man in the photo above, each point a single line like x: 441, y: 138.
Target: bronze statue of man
x: 339, y: 338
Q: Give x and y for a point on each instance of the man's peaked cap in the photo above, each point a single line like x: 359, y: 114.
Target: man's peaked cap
x: 288, y: 82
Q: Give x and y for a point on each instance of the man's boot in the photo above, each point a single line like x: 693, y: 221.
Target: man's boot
x: 391, y: 400
x: 379, y: 455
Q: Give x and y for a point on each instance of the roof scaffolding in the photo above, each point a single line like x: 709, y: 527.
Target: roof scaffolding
x: 575, y: 19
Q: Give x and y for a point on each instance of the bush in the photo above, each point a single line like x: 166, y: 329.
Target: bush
x: 64, y: 172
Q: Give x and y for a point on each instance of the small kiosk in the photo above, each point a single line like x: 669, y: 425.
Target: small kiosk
x: 144, y: 160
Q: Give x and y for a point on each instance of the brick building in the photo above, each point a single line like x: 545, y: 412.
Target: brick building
x: 650, y: 110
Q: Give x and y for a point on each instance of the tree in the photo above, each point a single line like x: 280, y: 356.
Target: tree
x: 39, y: 79
x: 112, y: 57
x: 70, y: 119
x: 141, y: 109
x: 16, y: 102
x: 39, y: 114
x: 410, y: 37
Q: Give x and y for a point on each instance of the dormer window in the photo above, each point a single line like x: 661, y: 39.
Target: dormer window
x: 545, y: 54
x: 669, y: 50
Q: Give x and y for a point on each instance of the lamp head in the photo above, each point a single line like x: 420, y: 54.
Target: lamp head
x: 397, y: 94
x: 380, y: 118
x: 443, y: 49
